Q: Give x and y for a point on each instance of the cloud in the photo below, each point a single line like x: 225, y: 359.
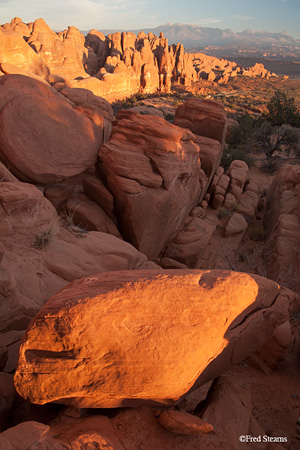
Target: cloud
x: 208, y: 21
x: 242, y: 17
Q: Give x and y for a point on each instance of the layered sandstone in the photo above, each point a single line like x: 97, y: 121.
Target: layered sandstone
x: 152, y: 168
x: 114, y: 66
x: 145, y: 337
x: 40, y: 253
x: 207, y: 119
x: 53, y: 140
x: 282, y: 225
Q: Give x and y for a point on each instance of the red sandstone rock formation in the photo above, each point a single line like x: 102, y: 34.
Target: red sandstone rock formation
x: 53, y: 141
x: 40, y: 255
x: 207, y: 119
x: 282, y: 247
x: 203, y: 117
x: 115, y: 66
x: 146, y: 337
x: 235, y: 190
x: 14, y: 50
x: 152, y: 168
x: 63, y: 53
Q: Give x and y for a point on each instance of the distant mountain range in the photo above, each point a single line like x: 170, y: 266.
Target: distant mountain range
x: 218, y: 42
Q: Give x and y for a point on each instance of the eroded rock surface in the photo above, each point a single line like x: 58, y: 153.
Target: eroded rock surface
x: 153, y: 170
x: 145, y: 337
x: 113, y: 66
x: 52, y: 141
x: 40, y: 256
x: 282, y: 247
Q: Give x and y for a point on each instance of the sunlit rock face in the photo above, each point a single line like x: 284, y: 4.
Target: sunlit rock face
x: 43, y: 138
x: 115, y: 66
x: 14, y: 50
x: 145, y: 337
x: 153, y: 170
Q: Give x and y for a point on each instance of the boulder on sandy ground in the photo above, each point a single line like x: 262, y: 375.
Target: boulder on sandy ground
x: 238, y: 173
x: 145, y: 337
x: 52, y: 141
x: 152, y: 168
x: 248, y: 204
x: 236, y: 224
x: 180, y: 422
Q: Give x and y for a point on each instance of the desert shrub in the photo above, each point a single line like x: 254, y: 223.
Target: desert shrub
x: 257, y: 233
x: 179, y: 96
x: 177, y: 102
x: 240, y: 135
x: 270, y: 138
x: 269, y: 166
x: 43, y: 239
x: 224, y: 213
x: 68, y: 223
x: 282, y: 110
x: 264, y: 193
x: 141, y: 96
x: 170, y: 117
x: 231, y: 154
x: 235, y: 207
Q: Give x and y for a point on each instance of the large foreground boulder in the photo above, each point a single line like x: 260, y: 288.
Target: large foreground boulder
x: 145, y: 337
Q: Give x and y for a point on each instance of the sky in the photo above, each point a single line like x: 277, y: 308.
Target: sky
x: 259, y: 15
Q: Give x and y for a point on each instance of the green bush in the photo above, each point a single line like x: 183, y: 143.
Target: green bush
x: 231, y: 154
x: 271, y: 138
x: 240, y: 135
x: 269, y: 166
x: 282, y: 110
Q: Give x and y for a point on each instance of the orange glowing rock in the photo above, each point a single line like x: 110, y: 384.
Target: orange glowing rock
x: 145, y: 337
